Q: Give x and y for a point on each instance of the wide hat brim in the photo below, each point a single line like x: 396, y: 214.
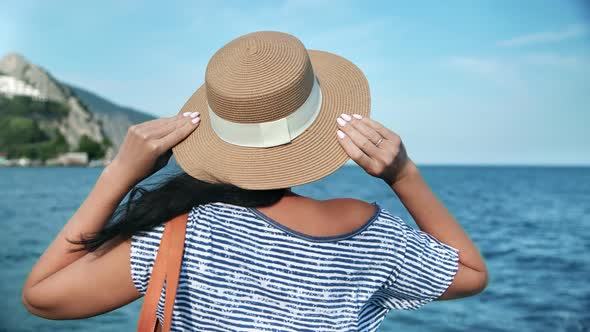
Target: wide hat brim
x: 311, y: 156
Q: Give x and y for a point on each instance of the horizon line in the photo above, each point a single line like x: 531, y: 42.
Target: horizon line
x: 539, y: 165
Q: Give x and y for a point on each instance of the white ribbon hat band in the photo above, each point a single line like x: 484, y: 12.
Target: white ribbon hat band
x: 271, y: 133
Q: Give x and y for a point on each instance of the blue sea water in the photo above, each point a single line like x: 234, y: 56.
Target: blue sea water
x: 532, y: 225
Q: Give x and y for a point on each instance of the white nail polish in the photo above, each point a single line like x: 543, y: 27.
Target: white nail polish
x: 357, y: 116
x: 346, y: 117
x: 341, y: 122
x: 186, y: 113
x: 196, y: 120
x: 194, y: 114
x: 340, y: 134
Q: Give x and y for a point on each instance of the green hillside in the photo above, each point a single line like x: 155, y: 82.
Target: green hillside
x: 22, y: 120
x: 100, y: 105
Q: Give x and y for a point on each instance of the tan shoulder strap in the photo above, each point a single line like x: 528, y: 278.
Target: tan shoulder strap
x: 166, y: 267
x: 175, y: 252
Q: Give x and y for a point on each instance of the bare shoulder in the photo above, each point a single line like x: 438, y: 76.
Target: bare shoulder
x: 346, y: 201
x: 356, y: 209
x: 321, y: 217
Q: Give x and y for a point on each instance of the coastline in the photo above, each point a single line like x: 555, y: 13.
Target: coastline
x: 71, y: 159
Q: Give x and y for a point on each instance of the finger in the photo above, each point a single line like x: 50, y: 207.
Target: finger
x: 353, y: 151
x: 358, y: 138
x: 363, y: 128
x: 145, y: 130
x: 382, y: 130
x: 162, y: 130
x: 155, y: 122
x: 180, y: 133
x: 159, y: 130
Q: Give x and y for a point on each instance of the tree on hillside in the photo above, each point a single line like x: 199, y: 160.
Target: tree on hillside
x: 94, y: 149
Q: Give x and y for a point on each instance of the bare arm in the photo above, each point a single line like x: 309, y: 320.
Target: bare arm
x: 389, y: 161
x: 433, y: 218
x: 60, y: 273
x: 90, y: 217
x: 58, y: 286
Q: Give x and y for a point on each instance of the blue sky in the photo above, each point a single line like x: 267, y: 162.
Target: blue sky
x: 462, y: 82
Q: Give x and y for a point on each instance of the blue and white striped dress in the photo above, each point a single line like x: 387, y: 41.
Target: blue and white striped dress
x: 243, y: 271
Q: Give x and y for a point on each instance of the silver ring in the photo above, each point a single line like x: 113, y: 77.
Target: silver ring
x: 379, y: 142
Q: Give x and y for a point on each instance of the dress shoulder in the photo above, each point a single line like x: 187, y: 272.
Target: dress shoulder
x: 421, y: 270
x: 144, y: 249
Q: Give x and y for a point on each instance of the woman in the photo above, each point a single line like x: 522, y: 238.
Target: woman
x: 271, y: 115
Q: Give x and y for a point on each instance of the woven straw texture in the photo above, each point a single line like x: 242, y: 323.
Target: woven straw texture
x: 264, y: 76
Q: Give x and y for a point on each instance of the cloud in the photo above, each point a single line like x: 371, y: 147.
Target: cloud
x: 477, y: 65
x: 556, y: 60
x: 497, y: 71
x: 570, y: 32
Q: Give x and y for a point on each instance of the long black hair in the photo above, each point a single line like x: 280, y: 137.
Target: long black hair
x: 177, y: 194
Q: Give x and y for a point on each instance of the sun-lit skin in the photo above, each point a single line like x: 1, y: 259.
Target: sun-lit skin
x: 57, y: 286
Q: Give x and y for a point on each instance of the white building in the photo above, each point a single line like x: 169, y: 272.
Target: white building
x: 10, y: 86
x: 69, y: 159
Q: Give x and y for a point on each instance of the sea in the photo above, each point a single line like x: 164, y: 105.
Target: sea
x: 531, y: 224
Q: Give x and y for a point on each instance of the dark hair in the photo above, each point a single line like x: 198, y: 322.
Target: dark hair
x: 147, y: 208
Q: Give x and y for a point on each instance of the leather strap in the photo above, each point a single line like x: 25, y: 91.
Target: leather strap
x: 175, y: 253
x: 166, y: 267
x: 147, y: 317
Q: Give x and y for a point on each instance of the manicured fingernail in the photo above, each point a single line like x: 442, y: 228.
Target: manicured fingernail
x: 196, y: 120
x: 186, y: 113
x: 194, y: 114
x: 341, y: 122
x: 346, y: 117
x: 340, y: 134
x: 357, y: 116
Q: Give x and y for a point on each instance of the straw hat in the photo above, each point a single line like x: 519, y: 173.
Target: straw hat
x: 268, y: 113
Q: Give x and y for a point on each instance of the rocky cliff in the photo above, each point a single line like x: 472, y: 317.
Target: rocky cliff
x: 89, y: 115
x: 115, y: 119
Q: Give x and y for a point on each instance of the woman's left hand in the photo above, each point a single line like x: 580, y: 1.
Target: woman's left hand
x: 148, y: 146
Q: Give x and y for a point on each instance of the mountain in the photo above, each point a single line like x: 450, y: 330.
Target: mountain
x: 16, y: 66
x: 115, y: 119
x: 79, y: 121
x: 48, y: 109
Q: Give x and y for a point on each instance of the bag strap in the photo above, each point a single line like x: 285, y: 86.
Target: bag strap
x: 175, y: 253
x: 166, y: 267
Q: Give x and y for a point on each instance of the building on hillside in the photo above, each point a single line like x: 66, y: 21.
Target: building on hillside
x: 69, y: 159
x: 10, y: 86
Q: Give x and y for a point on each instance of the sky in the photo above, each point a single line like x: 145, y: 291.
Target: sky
x: 462, y: 82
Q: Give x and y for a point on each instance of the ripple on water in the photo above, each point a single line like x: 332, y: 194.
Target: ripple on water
x: 531, y: 224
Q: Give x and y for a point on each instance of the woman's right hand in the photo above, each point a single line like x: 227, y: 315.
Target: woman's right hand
x: 388, y: 161
x: 147, y: 147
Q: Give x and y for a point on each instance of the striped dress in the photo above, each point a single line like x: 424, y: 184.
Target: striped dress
x: 243, y: 271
